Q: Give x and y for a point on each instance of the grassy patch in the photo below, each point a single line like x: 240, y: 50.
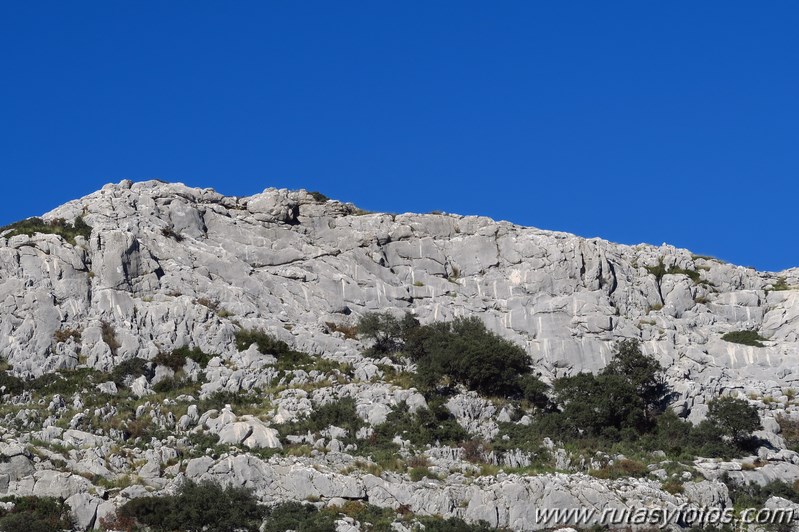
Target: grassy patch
x: 623, y: 468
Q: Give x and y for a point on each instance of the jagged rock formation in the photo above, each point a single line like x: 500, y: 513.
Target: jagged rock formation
x: 168, y: 266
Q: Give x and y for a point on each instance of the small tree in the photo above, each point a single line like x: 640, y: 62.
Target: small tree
x: 385, y: 331
x: 734, y: 418
x: 643, y: 372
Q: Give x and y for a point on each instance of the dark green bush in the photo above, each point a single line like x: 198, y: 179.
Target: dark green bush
x: 339, y: 413
x: 299, y: 517
x: 35, y: 514
x: 287, y: 358
x: 590, y: 405
x: 755, y: 496
x: 66, y: 382
x: 67, y: 231
x: 385, y: 332
x: 195, y: 507
x: 465, y: 352
x: 196, y: 354
x: 426, y: 426
x: 660, y: 270
x: 174, y: 360
x: 534, y: 391
x: 733, y: 418
x: 454, y: 524
x: 643, y: 373
x: 132, y: 367
x: 750, y: 338
x: 219, y: 399
x: 169, y: 384
x: 9, y: 384
x: 462, y: 351
x: 628, y: 394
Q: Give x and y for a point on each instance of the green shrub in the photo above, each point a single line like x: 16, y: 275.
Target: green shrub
x: 132, y: 367
x: 755, y: 496
x: 465, y: 352
x: 196, y: 354
x: 219, y: 399
x: 174, y: 360
x: 10, y: 384
x: 59, y: 226
x: 205, y: 506
x: 35, y: 514
x: 750, y: 338
x: 621, y: 469
x: 660, y: 270
x: 341, y: 413
x: 733, y: 418
x: 643, y: 373
x: 287, y: 358
x: 299, y: 517
x: 591, y: 405
x: 455, y: 524
x: 534, y: 391
x: 426, y: 426
x: 385, y: 332
x: 628, y: 394
x: 780, y: 284
x: 169, y: 384
x: 66, y: 382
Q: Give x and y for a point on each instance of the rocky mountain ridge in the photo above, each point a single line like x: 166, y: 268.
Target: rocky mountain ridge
x: 166, y: 266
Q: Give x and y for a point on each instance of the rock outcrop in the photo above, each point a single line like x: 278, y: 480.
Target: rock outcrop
x: 168, y: 266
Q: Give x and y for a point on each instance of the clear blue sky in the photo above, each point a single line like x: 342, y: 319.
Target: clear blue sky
x: 633, y: 121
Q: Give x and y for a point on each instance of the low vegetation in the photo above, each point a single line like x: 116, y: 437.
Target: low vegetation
x: 206, y: 506
x: 750, y: 338
x: 267, y: 344
x: 66, y: 230
x: 35, y: 514
x: 460, y: 352
x: 660, y: 270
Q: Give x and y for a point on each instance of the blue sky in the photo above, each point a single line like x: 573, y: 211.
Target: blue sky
x: 632, y: 121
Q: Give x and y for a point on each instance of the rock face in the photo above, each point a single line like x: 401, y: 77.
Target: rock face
x: 281, y: 259
x: 168, y: 266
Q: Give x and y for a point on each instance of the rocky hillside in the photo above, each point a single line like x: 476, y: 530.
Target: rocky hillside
x: 127, y: 370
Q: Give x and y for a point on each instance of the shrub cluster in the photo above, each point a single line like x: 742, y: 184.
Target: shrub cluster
x: 131, y: 368
x: 35, y: 514
x: 625, y: 405
x: 287, y: 358
x: 59, y: 226
x: 462, y: 352
x: 204, y: 506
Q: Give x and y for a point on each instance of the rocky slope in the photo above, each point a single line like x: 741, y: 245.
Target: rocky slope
x: 167, y: 266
